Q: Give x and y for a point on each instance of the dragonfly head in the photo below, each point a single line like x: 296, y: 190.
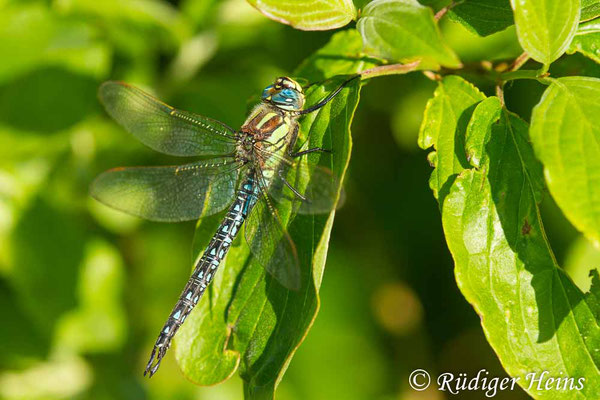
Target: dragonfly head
x: 285, y: 94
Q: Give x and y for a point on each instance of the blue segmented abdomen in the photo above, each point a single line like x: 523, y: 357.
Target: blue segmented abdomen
x: 207, y: 265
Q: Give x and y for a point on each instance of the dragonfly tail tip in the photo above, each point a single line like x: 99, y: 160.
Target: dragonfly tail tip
x: 153, y: 363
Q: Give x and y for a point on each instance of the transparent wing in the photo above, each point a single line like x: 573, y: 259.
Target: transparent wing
x: 313, y: 188
x: 172, y: 193
x: 162, y: 127
x: 271, y: 244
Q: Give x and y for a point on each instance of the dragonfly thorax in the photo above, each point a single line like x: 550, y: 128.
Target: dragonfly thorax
x: 267, y: 131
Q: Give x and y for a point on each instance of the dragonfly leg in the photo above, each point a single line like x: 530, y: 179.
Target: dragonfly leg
x: 329, y: 97
x: 293, y: 139
x: 313, y: 150
x: 293, y: 189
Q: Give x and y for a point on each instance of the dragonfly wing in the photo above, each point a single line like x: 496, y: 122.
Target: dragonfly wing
x: 271, y: 244
x: 162, y: 127
x: 314, y: 188
x: 172, y: 193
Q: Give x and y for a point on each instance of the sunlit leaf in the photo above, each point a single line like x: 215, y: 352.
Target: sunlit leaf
x: 19, y: 333
x: 307, y: 14
x: 127, y: 25
x: 444, y: 126
x: 98, y: 323
x: 533, y: 315
x: 45, y: 380
x: 326, y: 62
x: 483, y: 17
x: 587, y: 40
x: 581, y: 258
x: 47, y: 245
x: 546, y: 27
x: 587, y: 27
x: 246, y: 318
x: 588, y: 45
x: 565, y: 129
x: 404, y: 30
x: 33, y: 37
x: 77, y: 96
x: 590, y: 9
x: 149, y: 13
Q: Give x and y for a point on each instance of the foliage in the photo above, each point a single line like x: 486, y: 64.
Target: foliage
x: 564, y: 127
x: 546, y: 28
x: 512, y: 138
x: 309, y: 15
x: 383, y: 26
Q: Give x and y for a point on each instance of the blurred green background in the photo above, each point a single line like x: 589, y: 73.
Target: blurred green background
x: 84, y: 290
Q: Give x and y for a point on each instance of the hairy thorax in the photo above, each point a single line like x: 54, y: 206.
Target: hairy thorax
x: 267, y: 131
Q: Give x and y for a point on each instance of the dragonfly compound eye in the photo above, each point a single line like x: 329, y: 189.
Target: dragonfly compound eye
x: 285, y: 99
x: 268, y: 92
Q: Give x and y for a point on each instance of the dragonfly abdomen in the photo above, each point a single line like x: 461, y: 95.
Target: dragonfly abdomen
x: 206, y: 268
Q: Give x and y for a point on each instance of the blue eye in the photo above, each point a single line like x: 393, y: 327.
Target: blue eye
x: 285, y: 98
x: 288, y: 93
x: 267, y: 92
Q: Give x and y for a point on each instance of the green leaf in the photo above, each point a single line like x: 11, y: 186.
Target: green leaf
x: 127, y: 25
x: 533, y: 315
x: 565, y: 130
x: 588, y: 27
x: 404, y: 30
x: 327, y: 62
x: 308, y: 15
x: 483, y: 17
x: 19, y: 333
x: 444, y: 126
x: 587, y: 40
x: 247, y: 319
x: 33, y: 36
x: 44, y: 269
x: 581, y: 256
x: 546, y: 27
x: 98, y: 323
x: 78, y: 96
x: 142, y: 13
x: 590, y: 9
x: 588, y: 45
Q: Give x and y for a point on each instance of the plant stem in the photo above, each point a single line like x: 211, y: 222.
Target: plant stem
x: 500, y: 94
x: 513, y: 73
x: 438, y: 15
x: 391, y: 69
x: 518, y: 63
x: 538, y: 75
x: 525, y: 74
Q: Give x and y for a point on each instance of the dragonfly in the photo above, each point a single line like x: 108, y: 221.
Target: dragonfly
x: 248, y: 171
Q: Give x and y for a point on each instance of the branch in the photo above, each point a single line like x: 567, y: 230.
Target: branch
x: 519, y: 62
x: 391, y: 69
x: 438, y: 15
